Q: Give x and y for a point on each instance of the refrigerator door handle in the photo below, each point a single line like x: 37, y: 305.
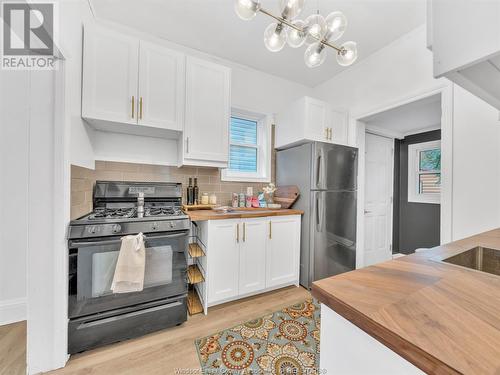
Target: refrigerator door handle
x: 319, y: 169
x: 319, y: 214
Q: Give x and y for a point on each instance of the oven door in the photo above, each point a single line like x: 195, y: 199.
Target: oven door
x: 92, y: 266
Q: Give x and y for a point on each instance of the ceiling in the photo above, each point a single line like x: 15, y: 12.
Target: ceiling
x: 213, y: 27
x: 412, y: 118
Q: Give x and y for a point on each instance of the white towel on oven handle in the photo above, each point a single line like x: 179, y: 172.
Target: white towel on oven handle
x: 129, y: 270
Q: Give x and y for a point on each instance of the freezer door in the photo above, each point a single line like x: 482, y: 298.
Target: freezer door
x: 335, y: 167
x: 333, y: 233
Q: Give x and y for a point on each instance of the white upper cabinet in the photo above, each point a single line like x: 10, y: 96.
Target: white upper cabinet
x: 131, y: 82
x: 464, y: 36
x: 309, y: 119
x: 161, y: 87
x: 110, y: 65
x: 206, y: 129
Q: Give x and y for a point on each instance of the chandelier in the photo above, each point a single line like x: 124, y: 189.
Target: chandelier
x: 315, y: 30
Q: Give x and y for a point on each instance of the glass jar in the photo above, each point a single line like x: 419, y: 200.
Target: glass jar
x: 204, y: 198
x: 213, y: 199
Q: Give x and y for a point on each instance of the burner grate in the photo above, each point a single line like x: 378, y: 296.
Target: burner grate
x: 113, y: 213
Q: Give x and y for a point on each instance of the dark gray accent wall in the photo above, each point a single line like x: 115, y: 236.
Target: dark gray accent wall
x: 415, y: 224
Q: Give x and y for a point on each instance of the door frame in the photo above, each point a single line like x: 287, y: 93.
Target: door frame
x: 391, y: 188
x: 359, y: 127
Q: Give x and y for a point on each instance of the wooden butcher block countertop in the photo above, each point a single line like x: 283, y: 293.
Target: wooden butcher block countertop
x: 202, y: 215
x: 440, y: 317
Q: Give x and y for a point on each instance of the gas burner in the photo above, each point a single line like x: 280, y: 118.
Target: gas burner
x: 112, y: 213
x: 162, y: 211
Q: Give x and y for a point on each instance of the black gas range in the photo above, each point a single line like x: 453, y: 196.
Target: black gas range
x: 97, y: 315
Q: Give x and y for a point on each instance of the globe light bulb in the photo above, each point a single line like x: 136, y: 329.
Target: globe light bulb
x: 348, y: 54
x: 295, y: 37
x: 315, y: 55
x: 275, y: 37
x: 246, y: 9
x: 291, y: 8
x: 336, y: 24
x: 315, y: 28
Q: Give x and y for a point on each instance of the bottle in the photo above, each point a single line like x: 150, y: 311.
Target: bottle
x: 196, y: 191
x: 190, y: 192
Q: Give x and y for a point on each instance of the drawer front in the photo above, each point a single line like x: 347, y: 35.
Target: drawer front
x: 88, y: 333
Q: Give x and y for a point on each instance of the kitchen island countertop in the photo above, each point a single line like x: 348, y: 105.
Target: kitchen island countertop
x: 440, y: 317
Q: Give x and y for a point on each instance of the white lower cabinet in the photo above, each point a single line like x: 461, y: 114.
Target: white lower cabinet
x: 223, y: 259
x: 253, y: 247
x: 282, y: 268
x: 248, y: 256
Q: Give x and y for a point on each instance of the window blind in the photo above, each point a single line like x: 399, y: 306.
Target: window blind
x: 243, y: 145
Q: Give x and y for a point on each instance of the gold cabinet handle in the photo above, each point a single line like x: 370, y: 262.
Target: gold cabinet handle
x: 270, y: 230
x: 237, y: 232
x: 133, y: 106
x: 326, y: 131
x: 330, y: 134
x: 244, y: 232
x: 140, y: 108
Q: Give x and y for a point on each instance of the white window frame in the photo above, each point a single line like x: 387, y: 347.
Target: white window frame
x: 263, y: 174
x: 414, y: 171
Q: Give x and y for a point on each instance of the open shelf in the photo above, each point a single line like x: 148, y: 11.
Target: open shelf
x: 194, y: 274
x: 194, y: 303
x: 195, y: 250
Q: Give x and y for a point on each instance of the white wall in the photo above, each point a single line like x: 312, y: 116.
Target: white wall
x: 403, y: 70
x: 72, y: 16
x: 250, y: 89
x: 14, y: 123
x: 476, y: 165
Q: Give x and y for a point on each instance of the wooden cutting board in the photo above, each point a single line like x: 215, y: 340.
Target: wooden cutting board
x: 286, y: 195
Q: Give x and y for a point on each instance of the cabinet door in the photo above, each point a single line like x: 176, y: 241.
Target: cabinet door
x: 206, y: 131
x: 161, y: 87
x: 283, y: 250
x: 253, y: 247
x: 223, y: 259
x: 317, y: 119
x: 110, y: 76
x: 339, y: 126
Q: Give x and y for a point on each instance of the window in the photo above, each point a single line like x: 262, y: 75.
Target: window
x: 424, y: 172
x: 249, y: 148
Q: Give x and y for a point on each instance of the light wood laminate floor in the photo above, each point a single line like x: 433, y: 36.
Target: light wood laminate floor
x: 13, y: 349
x: 165, y: 351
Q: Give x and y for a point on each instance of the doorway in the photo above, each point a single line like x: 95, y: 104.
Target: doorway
x: 402, y: 179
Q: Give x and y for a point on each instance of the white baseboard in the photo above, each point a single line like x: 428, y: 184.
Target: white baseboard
x: 12, y: 310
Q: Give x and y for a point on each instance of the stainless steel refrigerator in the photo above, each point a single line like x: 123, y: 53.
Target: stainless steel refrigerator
x: 326, y: 175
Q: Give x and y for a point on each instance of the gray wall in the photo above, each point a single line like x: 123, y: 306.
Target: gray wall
x: 415, y: 224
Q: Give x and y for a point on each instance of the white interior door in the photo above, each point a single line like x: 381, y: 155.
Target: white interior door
x: 379, y: 176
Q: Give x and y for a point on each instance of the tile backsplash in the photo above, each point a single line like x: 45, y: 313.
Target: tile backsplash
x: 83, y: 180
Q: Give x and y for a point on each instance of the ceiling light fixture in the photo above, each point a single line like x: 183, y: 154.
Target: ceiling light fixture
x: 317, y: 31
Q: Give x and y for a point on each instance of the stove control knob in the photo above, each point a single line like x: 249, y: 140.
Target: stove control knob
x: 154, y: 226
x: 117, y: 228
x: 172, y: 224
x: 92, y: 229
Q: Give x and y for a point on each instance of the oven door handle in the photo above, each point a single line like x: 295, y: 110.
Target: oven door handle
x: 111, y: 242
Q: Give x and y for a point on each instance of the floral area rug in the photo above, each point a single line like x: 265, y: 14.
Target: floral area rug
x: 285, y: 342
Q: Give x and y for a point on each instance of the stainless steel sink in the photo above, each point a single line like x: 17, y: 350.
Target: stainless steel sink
x: 479, y: 259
